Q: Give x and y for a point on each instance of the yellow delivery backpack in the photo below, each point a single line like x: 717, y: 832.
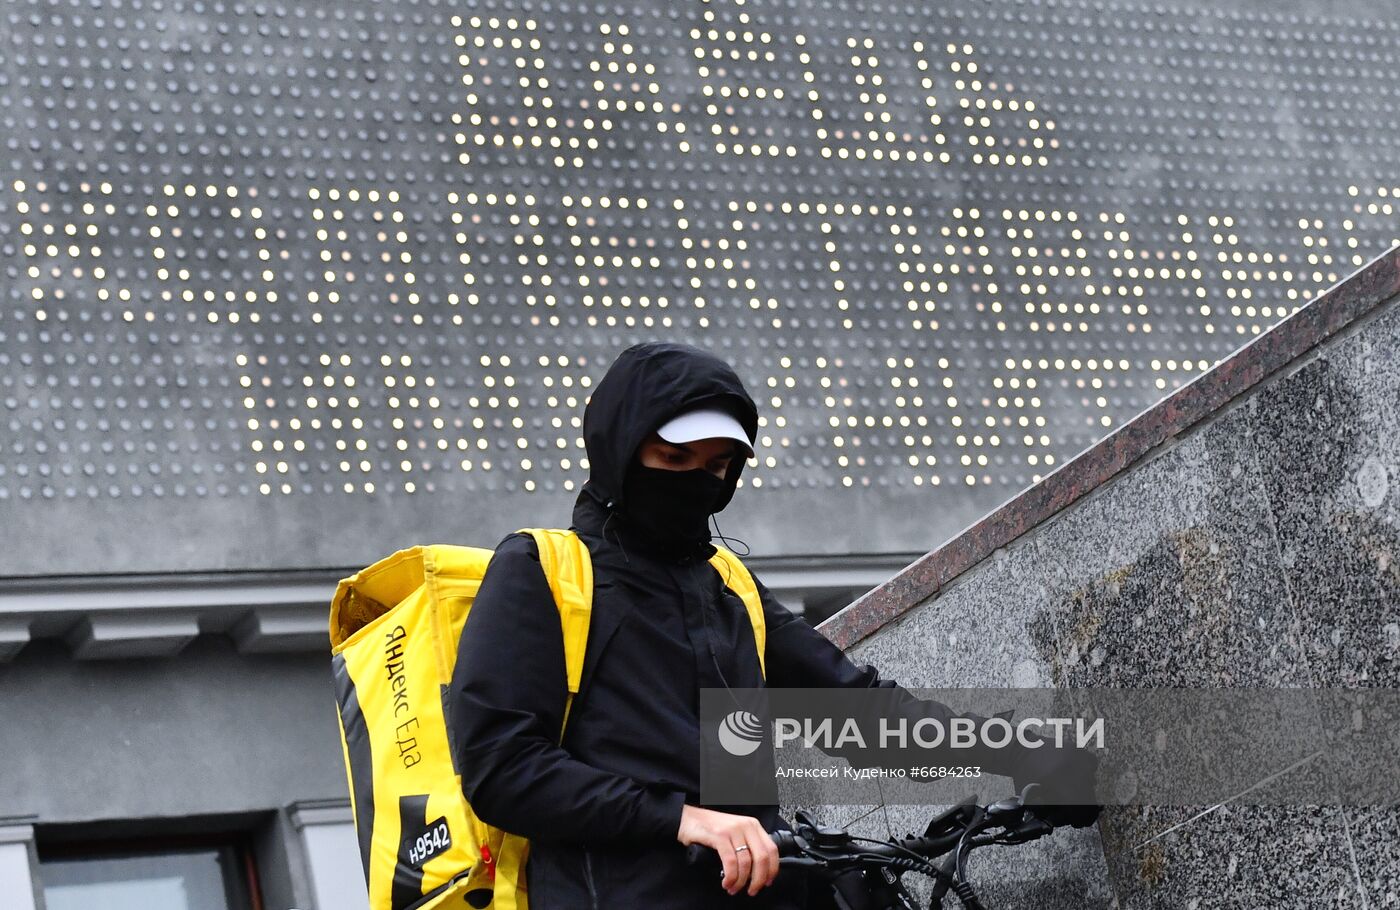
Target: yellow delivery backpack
x: 394, y: 631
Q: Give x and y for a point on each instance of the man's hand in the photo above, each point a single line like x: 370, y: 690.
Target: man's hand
x: 1066, y: 780
x: 724, y: 833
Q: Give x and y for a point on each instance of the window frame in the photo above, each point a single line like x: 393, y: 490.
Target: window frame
x: 242, y: 887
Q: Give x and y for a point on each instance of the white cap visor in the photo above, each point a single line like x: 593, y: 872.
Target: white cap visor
x: 706, y: 423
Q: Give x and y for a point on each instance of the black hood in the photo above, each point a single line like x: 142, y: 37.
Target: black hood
x: 646, y: 386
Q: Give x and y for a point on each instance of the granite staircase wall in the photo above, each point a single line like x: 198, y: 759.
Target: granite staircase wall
x: 1244, y: 532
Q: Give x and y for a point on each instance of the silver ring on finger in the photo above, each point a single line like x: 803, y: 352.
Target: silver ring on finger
x: 741, y: 848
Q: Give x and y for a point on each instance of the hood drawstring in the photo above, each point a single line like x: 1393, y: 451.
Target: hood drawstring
x: 730, y: 542
x: 616, y: 536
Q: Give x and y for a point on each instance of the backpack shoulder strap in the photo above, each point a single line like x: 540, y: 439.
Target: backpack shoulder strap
x: 569, y: 569
x: 736, y: 577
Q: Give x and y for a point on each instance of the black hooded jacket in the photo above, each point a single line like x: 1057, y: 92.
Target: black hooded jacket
x: 603, y: 807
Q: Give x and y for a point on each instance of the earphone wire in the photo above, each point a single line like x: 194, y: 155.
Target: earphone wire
x: 730, y: 542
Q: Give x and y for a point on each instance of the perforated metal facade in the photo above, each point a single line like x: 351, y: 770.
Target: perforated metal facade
x: 293, y: 284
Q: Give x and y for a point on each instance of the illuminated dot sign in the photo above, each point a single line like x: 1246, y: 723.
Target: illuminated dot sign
x: 296, y: 250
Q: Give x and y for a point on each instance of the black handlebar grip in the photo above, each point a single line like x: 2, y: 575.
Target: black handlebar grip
x: 786, y: 842
x: 699, y: 854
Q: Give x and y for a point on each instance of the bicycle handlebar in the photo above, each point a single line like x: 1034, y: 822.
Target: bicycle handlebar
x: 958, y: 831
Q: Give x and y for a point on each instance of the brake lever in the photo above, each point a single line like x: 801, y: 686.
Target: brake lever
x: 1031, y: 828
x: 956, y: 816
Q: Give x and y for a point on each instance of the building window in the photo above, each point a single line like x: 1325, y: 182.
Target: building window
x: 200, y: 878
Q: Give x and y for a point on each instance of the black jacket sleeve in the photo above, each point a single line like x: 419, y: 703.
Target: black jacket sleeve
x: 506, y: 705
x: 798, y: 656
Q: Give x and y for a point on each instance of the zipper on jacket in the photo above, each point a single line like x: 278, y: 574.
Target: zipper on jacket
x: 588, y: 877
x: 705, y: 609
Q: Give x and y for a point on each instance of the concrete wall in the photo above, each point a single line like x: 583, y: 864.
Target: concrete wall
x: 209, y: 741
x: 1261, y: 549
x: 209, y: 732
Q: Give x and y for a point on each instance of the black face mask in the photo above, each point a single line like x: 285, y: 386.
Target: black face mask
x: 670, y: 510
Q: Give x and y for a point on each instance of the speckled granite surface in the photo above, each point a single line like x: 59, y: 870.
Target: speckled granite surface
x: 1261, y: 548
x: 992, y: 632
